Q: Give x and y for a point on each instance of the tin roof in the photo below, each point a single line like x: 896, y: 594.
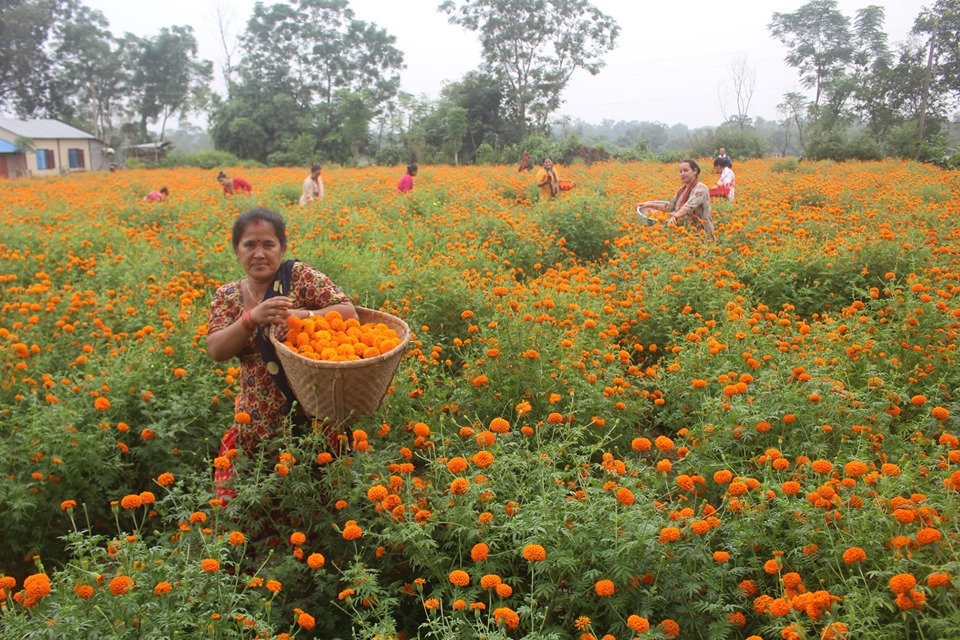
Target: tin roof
x: 43, y: 129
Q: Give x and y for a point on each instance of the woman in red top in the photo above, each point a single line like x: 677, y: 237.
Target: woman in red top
x: 233, y: 185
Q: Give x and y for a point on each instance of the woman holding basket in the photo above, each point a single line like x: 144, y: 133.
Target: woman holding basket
x: 243, y: 311
x: 691, y: 200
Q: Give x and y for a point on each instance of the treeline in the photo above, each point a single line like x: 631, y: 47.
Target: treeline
x: 328, y: 88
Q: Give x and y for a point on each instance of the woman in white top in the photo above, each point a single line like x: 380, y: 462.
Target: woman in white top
x: 727, y: 180
x: 312, y: 186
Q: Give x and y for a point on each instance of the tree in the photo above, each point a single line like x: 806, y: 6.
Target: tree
x: 28, y: 30
x: 533, y: 47
x: 944, y: 19
x: 819, y: 41
x: 481, y: 95
x: 90, y: 74
x: 794, y: 109
x: 166, y: 77
x: 739, y: 85
x: 315, y: 54
x: 456, y: 129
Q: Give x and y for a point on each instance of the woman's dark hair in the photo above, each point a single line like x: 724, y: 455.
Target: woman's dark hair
x: 314, y: 167
x: 260, y: 214
x: 164, y: 191
x: 412, y: 168
x: 723, y: 162
x: 221, y: 176
x: 693, y: 165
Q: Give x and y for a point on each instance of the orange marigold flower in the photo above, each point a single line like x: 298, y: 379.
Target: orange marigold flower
x: 37, y: 586
x: 165, y: 479
x: 236, y: 538
x: 479, y: 552
x: 939, y: 579
x: 504, y: 590
x: 625, y: 496
x: 315, y: 560
x: 534, y: 553
x: 507, y: 616
x: 482, y: 459
x: 940, y: 413
x: 121, y: 585
x: 66, y: 505
x: 822, y: 466
x: 723, y: 476
x: 459, y: 486
x: 669, y: 628
x: 854, y: 555
x: 459, y: 578
x: 638, y: 623
x: 274, y: 586
x: 902, y: 582
x: 162, y: 588
x: 918, y: 400
x: 351, y: 531
x: 582, y: 622
x: 721, y: 556
x: 209, y: 565
x: 604, y: 588
x: 499, y: 425
x: 457, y: 464
x: 306, y: 620
x: 297, y: 538
x: 928, y: 535
x: 791, y: 487
x: 101, y: 404
x: 669, y: 534
x: 855, y: 468
x: 490, y: 581
x: 83, y: 591
x: 555, y: 418
x: 131, y: 501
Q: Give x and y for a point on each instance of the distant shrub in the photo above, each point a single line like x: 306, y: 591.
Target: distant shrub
x: 204, y: 160
x: 786, y: 165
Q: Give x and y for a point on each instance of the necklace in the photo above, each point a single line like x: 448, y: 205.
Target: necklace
x: 249, y: 291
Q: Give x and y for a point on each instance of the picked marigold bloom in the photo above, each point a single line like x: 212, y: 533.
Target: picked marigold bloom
x: 459, y: 578
x: 604, y: 588
x: 120, y: 585
x: 316, y: 560
x: 131, y: 501
x: 162, y: 588
x: 534, y: 553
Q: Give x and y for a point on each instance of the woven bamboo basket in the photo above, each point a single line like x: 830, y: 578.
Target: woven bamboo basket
x: 342, y: 392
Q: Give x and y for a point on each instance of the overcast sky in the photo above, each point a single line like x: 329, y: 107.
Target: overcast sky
x: 668, y: 65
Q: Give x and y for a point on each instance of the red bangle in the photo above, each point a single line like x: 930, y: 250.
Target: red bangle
x: 247, y: 321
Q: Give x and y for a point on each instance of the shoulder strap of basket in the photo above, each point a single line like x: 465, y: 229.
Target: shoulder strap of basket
x: 280, y: 287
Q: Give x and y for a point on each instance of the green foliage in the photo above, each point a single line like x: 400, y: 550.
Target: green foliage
x: 205, y: 160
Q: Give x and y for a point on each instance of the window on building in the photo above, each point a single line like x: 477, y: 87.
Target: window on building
x: 46, y: 159
x: 76, y: 158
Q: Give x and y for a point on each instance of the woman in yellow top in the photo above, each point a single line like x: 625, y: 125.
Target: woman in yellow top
x: 547, y: 180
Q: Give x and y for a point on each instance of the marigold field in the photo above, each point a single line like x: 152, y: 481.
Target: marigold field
x: 600, y: 429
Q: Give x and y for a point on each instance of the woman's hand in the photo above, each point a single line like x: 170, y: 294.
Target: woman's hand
x: 273, y: 310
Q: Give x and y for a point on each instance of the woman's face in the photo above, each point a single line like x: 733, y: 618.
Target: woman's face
x: 687, y: 174
x: 259, y: 251
x: 547, y: 164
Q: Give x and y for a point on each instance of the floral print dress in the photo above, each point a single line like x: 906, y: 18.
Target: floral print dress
x: 260, y: 397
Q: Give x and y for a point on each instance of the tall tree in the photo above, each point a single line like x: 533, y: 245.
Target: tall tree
x: 534, y: 46
x: 944, y: 18
x: 27, y: 30
x: 316, y: 54
x: 456, y: 129
x: 739, y: 87
x: 818, y: 39
x: 167, y: 78
x: 90, y: 74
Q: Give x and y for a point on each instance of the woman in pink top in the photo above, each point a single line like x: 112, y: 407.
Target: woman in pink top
x: 233, y: 185
x: 406, y: 182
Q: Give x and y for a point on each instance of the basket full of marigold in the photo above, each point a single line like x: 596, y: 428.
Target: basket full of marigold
x: 340, y: 370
